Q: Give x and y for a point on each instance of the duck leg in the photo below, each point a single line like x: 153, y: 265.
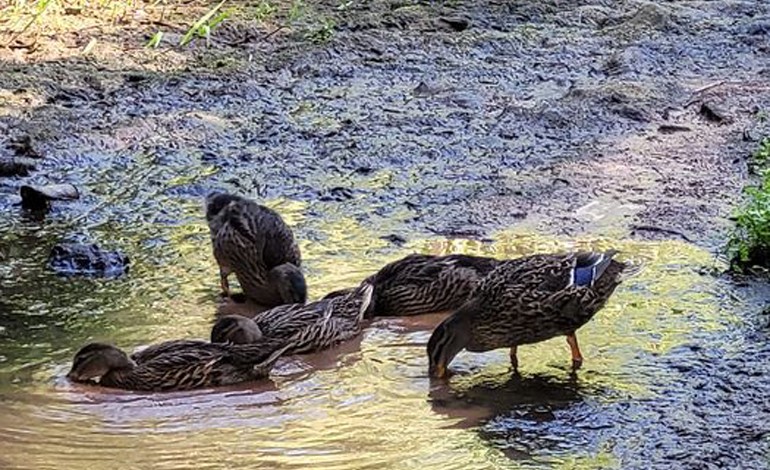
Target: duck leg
x: 514, y: 359
x: 223, y: 283
x: 577, y: 358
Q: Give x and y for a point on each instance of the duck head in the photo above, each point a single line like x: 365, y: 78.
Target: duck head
x: 448, y: 339
x: 290, y: 283
x: 96, y: 360
x: 235, y: 329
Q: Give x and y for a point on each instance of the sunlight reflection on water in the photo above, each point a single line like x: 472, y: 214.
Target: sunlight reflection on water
x: 366, y: 404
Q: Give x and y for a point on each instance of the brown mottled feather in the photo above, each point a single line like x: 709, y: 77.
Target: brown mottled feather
x: 189, y: 364
x: 308, y: 328
x: 249, y: 240
x: 420, y: 284
x: 530, y: 299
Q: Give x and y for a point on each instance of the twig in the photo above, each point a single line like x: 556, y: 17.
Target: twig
x: 26, y: 27
x: 708, y: 87
x: 693, y: 97
x: 271, y: 34
x: 653, y: 228
x: 163, y: 24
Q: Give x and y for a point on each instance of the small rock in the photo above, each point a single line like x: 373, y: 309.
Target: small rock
x: 714, y: 113
x: 631, y: 112
x: 424, y: 90
x: 456, y: 23
x: 39, y: 197
x: 760, y: 28
x: 337, y: 194
x: 73, y: 259
x: 135, y: 77
x: 672, y: 128
x: 23, y: 147
x: 397, y: 240
x: 16, y: 166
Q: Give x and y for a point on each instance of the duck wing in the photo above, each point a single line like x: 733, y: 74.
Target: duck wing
x: 167, y: 347
x: 548, y: 294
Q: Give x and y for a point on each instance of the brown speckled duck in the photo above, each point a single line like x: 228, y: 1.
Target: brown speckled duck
x: 174, y: 365
x: 254, y: 243
x: 525, y: 301
x: 420, y: 284
x: 303, y: 328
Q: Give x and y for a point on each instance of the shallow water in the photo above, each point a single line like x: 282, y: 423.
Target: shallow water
x: 369, y: 403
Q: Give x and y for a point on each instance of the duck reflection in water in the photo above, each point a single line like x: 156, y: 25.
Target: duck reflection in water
x: 490, y: 397
x: 525, y: 416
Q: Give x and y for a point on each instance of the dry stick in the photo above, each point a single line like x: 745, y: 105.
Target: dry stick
x: 26, y: 27
x: 245, y: 39
x: 702, y: 89
x: 269, y: 35
x: 708, y: 87
x: 653, y: 228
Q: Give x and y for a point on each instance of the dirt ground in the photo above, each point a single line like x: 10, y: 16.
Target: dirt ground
x: 456, y: 117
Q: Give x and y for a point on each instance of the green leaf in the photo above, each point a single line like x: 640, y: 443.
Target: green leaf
x: 196, y: 27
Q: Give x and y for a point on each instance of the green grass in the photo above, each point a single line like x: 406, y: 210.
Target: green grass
x: 205, y: 24
x: 762, y: 155
x: 749, y: 244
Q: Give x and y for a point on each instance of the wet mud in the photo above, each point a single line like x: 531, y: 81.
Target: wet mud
x: 410, y: 121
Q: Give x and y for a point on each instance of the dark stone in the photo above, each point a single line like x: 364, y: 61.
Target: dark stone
x: 77, y: 259
x: 424, y: 90
x: 397, y: 240
x: 672, y: 128
x: 337, y: 194
x: 39, y: 197
x: 23, y: 147
x: 456, y: 23
x: 714, y: 113
x: 135, y: 77
x: 15, y: 167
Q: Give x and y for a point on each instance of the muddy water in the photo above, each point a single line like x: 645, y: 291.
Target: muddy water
x: 653, y: 390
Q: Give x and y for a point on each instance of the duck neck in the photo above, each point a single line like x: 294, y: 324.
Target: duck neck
x: 119, y: 378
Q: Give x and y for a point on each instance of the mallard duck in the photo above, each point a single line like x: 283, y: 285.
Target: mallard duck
x: 525, y: 301
x: 421, y: 284
x: 254, y: 243
x: 174, y: 365
x: 305, y: 328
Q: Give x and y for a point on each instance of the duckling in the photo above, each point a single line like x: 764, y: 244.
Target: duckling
x: 304, y: 328
x: 174, y: 365
x: 254, y: 243
x: 421, y: 284
x: 525, y: 301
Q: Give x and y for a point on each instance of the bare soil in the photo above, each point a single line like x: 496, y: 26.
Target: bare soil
x: 459, y: 118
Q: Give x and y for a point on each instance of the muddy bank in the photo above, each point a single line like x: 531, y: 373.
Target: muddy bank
x: 567, y: 118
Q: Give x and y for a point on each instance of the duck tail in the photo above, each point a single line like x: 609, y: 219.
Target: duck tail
x: 273, y: 357
x: 367, y: 300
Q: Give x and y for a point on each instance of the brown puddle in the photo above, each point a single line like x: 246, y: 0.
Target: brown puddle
x: 367, y: 403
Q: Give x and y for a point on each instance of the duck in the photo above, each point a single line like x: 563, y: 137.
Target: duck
x: 174, y: 365
x: 421, y: 284
x: 525, y: 301
x: 254, y: 243
x: 305, y: 329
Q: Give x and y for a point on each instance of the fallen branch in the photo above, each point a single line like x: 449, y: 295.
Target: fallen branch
x: 29, y: 23
x: 694, y: 97
x: 653, y: 228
